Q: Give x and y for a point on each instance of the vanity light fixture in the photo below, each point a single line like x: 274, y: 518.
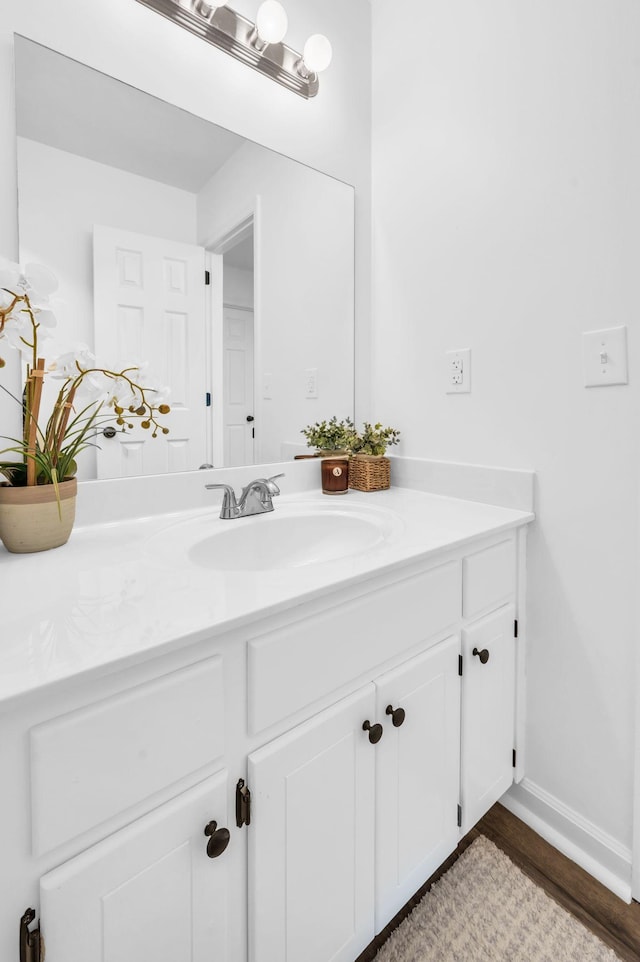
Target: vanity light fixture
x: 271, y: 24
x: 258, y: 44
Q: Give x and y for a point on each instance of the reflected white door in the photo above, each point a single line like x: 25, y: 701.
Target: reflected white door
x: 149, y: 299
x: 238, y: 389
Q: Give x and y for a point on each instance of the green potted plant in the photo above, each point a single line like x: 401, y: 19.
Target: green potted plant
x: 37, y: 496
x: 369, y: 470
x: 330, y: 438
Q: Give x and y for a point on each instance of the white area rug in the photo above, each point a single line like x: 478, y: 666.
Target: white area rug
x: 484, y: 909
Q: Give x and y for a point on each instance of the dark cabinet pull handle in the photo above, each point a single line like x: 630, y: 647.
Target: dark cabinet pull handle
x: 482, y: 655
x: 218, y: 839
x: 375, y: 731
x: 398, y: 715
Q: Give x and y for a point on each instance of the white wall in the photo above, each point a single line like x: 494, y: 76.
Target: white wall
x: 303, y: 284
x: 133, y: 44
x: 506, y: 158
x: 62, y: 197
x: 238, y: 287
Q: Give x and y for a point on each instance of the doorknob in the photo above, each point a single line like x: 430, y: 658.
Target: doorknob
x: 250, y: 418
x: 482, y: 655
x: 218, y: 841
x: 398, y: 715
x: 375, y: 731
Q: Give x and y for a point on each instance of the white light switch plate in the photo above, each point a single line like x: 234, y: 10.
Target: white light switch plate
x: 458, y: 371
x: 604, y: 356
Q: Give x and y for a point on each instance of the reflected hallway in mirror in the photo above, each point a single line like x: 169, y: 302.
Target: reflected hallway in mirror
x: 226, y: 266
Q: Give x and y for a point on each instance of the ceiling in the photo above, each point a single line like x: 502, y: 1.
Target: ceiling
x: 67, y: 105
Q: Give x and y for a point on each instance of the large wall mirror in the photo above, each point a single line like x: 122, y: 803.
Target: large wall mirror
x: 136, y: 204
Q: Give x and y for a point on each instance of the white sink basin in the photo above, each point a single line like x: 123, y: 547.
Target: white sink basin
x: 292, y: 536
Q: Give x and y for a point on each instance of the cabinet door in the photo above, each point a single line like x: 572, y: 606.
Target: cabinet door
x: 417, y: 774
x: 311, y: 838
x: 488, y: 713
x: 147, y: 892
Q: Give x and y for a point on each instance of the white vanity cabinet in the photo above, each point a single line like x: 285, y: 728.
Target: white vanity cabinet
x: 311, y: 839
x: 488, y: 714
x: 363, y: 724
x: 417, y: 774
x: 147, y: 892
x: 352, y: 811
x: 489, y: 660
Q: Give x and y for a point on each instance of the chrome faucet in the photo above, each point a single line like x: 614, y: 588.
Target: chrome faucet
x: 256, y: 498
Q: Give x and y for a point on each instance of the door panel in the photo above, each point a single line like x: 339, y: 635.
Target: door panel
x: 488, y: 714
x: 148, y: 892
x: 417, y: 776
x: 149, y: 306
x: 238, y: 390
x: 311, y: 839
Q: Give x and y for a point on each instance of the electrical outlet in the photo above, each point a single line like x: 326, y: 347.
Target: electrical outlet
x: 458, y: 367
x: 311, y: 382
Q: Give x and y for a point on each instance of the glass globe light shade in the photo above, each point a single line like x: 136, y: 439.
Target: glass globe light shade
x: 317, y: 53
x: 271, y: 22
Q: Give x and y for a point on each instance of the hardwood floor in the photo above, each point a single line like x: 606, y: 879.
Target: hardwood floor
x: 612, y: 920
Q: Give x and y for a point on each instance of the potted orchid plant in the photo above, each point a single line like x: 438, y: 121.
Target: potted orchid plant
x: 38, y: 489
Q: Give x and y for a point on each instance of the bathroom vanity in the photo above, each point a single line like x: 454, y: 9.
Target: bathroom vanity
x: 262, y: 763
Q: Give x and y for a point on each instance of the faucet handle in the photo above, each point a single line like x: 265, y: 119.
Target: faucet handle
x: 273, y: 487
x: 223, y: 487
x: 229, y: 505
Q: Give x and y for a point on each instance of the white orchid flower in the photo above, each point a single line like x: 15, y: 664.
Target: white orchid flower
x: 46, y: 318
x: 18, y: 334
x: 94, y: 386
x: 34, y: 280
x: 72, y: 362
x: 5, y: 299
x: 159, y: 395
x: 41, y: 281
x: 10, y: 275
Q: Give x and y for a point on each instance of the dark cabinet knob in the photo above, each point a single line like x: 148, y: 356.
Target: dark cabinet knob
x: 218, y: 839
x: 109, y: 431
x: 398, y: 715
x: 482, y: 655
x: 250, y: 418
x: 375, y: 731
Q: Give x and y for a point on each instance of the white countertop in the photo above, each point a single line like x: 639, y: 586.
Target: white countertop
x: 117, y: 591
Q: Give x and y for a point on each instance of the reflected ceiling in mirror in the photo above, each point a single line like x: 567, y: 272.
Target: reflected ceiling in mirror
x: 136, y: 205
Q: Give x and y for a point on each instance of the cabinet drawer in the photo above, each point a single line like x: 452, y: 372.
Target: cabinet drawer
x: 96, y: 762
x: 295, y: 666
x: 488, y: 578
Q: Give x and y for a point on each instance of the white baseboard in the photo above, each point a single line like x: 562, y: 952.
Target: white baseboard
x: 595, y: 851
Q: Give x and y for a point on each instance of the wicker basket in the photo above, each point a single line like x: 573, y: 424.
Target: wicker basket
x: 368, y: 472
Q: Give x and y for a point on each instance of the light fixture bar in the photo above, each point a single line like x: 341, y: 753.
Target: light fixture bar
x: 233, y: 33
